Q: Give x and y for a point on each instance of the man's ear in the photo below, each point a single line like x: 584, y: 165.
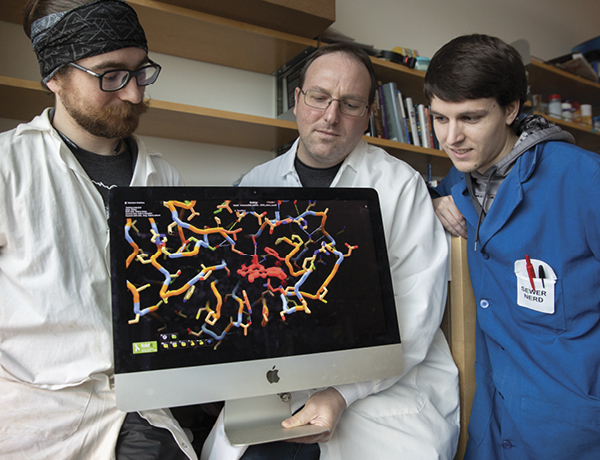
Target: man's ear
x: 296, y: 99
x: 53, y: 84
x: 512, y: 111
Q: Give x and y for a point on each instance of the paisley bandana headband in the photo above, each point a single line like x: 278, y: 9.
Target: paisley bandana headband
x: 94, y: 28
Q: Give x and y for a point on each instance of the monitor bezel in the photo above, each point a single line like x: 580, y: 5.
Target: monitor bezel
x: 151, y: 389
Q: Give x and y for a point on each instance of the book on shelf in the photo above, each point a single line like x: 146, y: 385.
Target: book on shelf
x: 429, y: 121
x: 412, y: 120
x: 383, y: 114
x: 423, y: 131
x: 393, y: 116
x: 398, y: 119
x: 434, y: 141
x: 403, y: 116
x: 377, y: 125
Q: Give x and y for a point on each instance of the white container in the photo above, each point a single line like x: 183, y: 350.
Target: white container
x: 567, y: 111
x: 586, y: 114
x: 555, y: 106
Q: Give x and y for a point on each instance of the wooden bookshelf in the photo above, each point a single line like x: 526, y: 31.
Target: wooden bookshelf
x: 546, y: 79
x: 192, y: 34
x: 585, y: 137
x: 417, y: 157
x: 22, y: 100
x: 304, y: 18
x: 409, y: 81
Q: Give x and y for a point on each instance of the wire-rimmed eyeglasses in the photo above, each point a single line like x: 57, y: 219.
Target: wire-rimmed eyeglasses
x: 318, y: 100
x: 114, y: 80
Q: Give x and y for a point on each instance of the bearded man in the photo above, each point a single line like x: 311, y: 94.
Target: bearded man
x: 56, y: 365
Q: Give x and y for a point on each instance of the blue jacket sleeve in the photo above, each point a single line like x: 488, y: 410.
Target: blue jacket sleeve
x: 454, y: 176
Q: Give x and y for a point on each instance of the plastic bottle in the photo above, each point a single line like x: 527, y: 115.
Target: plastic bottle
x: 567, y: 111
x: 586, y: 114
x: 575, y: 109
x: 555, y: 106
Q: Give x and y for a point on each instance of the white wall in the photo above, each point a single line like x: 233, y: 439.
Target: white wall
x: 183, y: 81
x: 551, y: 27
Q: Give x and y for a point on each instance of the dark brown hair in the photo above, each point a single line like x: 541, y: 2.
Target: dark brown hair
x: 475, y: 67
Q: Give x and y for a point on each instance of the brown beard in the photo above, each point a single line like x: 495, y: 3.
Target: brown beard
x: 110, y: 122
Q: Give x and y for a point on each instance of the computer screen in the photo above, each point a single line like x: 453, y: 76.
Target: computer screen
x: 227, y: 293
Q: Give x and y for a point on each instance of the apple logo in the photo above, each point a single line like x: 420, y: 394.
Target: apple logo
x: 273, y: 375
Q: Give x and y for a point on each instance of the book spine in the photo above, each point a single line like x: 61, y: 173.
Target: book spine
x: 436, y: 143
x: 371, y: 129
x: 410, y: 108
x: 378, y: 121
x: 383, y: 117
x: 423, y: 124
x: 429, y: 127
x: 403, y: 120
x: 390, y: 93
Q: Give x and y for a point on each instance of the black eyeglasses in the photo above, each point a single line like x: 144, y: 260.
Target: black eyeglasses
x: 114, y: 80
x: 350, y: 107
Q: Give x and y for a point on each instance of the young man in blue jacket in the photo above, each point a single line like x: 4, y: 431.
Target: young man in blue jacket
x: 520, y: 193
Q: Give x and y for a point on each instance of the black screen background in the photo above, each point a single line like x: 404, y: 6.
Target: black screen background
x: 359, y: 309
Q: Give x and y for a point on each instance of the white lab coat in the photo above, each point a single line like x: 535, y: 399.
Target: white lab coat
x: 414, y: 415
x: 56, y: 363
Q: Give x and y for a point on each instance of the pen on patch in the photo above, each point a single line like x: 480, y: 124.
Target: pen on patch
x: 542, y: 275
x: 530, y: 271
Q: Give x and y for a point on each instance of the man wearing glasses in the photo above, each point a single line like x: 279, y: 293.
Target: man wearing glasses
x: 56, y: 365
x: 414, y: 415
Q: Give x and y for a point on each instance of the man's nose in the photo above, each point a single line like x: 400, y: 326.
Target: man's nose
x: 132, y: 92
x: 455, y: 133
x: 332, y: 112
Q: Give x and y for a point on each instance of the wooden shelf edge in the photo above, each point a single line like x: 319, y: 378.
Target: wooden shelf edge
x: 563, y: 73
x: 200, y: 124
x: 387, y: 144
x: 226, y: 23
x: 24, y: 99
x: 418, y: 158
x: 191, y: 34
x: 220, y: 114
x: 410, y: 81
x: 305, y: 19
x: 402, y: 69
x: 571, y: 125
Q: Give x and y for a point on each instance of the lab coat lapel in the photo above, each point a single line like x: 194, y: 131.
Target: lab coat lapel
x: 509, y: 196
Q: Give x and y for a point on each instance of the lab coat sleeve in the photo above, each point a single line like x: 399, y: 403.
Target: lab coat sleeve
x: 418, y: 251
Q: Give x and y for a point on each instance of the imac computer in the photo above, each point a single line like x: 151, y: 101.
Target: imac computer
x: 246, y: 294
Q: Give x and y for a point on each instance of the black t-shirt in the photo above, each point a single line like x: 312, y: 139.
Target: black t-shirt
x: 315, y: 177
x: 106, y: 171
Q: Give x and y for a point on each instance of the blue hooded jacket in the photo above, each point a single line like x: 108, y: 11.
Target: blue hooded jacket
x: 538, y: 338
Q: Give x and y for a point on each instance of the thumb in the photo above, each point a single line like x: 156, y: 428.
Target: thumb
x: 299, y: 419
